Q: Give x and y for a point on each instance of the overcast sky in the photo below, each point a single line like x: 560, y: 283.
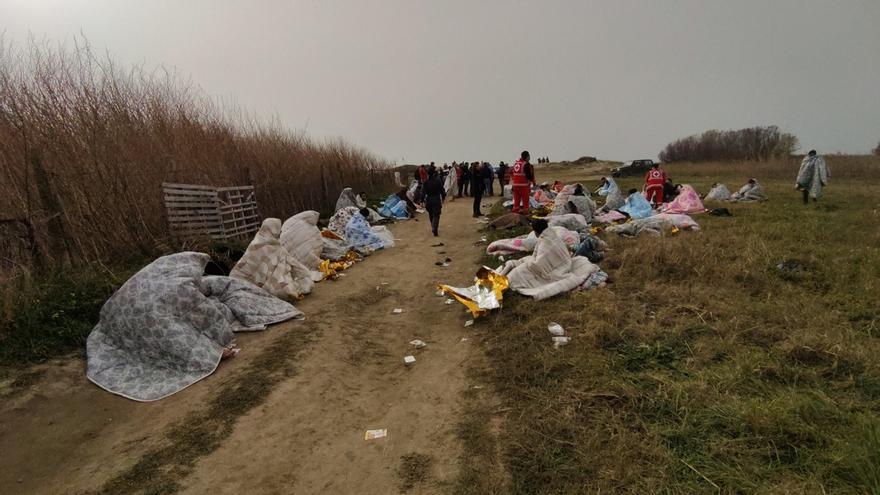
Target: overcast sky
x: 442, y: 80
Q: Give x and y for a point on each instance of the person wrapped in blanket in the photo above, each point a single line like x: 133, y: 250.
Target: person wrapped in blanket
x: 549, y: 270
x: 636, y: 205
x: 613, y: 197
x: 751, y: 191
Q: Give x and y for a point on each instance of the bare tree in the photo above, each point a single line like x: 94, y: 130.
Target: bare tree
x: 753, y: 143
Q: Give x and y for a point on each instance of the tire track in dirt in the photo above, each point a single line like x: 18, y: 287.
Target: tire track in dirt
x: 308, y: 435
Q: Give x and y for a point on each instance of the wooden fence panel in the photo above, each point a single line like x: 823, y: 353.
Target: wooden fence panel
x: 216, y: 212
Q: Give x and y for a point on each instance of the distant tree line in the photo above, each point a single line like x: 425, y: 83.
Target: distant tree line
x: 876, y: 150
x: 753, y: 143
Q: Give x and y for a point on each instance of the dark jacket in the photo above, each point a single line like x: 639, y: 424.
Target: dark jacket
x: 434, y: 190
x: 477, y: 182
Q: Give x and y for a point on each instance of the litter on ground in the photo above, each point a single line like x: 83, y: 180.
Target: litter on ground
x: 469, y: 323
x: 397, y: 311
x: 560, y: 341
x: 556, y: 329
x: 374, y: 434
x: 418, y: 344
x: 409, y: 360
x: 482, y: 297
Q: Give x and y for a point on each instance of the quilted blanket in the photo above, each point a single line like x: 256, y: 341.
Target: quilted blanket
x: 166, y: 327
x: 549, y: 271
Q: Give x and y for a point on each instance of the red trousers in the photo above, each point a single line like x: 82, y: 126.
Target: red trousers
x: 654, y: 191
x: 521, y: 198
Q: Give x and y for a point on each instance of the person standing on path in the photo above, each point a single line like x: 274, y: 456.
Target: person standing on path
x: 502, y: 175
x: 488, y: 178
x: 654, y: 181
x: 435, y: 193
x: 812, y: 176
x: 464, y: 184
x: 477, y: 185
x: 522, y: 177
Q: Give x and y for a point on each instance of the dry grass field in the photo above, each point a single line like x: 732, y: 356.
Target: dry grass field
x: 703, y: 368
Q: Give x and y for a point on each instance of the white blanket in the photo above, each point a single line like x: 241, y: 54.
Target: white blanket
x: 267, y: 264
x: 549, y: 271
x: 302, y: 239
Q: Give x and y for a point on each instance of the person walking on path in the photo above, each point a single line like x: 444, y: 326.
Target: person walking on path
x: 451, y: 182
x: 812, y: 176
x: 654, y: 181
x: 502, y: 176
x: 477, y: 185
x: 522, y: 177
x: 435, y: 193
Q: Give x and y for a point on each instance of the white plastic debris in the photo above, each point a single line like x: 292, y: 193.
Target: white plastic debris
x: 556, y: 329
x: 409, y: 360
x: 440, y: 293
x: 449, y: 301
x: 469, y: 323
x: 374, y: 434
x: 501, y: 258
x: 397, y: 311
x: 418, y: 344
x: 560, y: 341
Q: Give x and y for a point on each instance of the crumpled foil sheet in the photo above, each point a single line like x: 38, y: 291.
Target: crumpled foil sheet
x: 484, y: 296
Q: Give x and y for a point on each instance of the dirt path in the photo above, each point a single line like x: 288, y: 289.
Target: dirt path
x: 66, y: 435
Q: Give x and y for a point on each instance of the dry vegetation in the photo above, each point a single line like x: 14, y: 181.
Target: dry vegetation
x: 703, y: 368
x: 754, y: 143
x: 85, y: 145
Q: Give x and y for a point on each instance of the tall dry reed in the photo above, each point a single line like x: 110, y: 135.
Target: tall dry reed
x: 86, y: 143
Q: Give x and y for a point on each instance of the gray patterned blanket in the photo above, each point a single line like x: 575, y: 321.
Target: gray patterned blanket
x: 166, y: 327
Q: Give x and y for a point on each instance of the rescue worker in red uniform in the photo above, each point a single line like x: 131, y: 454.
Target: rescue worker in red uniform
x: 654, y: 180
x: 522, y: 176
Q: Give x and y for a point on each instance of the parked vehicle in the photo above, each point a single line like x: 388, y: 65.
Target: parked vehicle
x: 634, y: 167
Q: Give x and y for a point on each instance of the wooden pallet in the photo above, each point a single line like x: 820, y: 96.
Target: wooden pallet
x: 207, y: 211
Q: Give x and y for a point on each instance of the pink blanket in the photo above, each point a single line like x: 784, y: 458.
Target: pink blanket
x: 687, y: 202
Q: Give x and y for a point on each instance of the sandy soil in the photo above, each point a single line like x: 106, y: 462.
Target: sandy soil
x: 64, y: 435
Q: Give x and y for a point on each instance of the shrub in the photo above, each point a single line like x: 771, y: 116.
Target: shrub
x: 754, y: 143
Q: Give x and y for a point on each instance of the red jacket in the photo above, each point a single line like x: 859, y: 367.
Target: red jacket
x: 518, y: 174
x: 655, y: 177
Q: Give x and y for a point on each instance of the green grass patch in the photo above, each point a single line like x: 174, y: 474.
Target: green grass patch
x: 704, y: 367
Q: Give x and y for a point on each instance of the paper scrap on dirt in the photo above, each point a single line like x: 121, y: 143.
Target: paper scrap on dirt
x: 482, y: 297
x: 396, y: 311
x: 409, y: 360
x: 469, y: 323
x: 556, y: 329
x: 374, y: 434
x: 418, y: 344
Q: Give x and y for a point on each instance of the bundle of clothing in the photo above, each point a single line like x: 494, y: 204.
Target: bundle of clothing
x: 550, y: 270
x: 168, y: 326
x: 657, y: 225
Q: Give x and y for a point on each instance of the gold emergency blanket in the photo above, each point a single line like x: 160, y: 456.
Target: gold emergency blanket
x: 482, y: 297
x: 331, y: 269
